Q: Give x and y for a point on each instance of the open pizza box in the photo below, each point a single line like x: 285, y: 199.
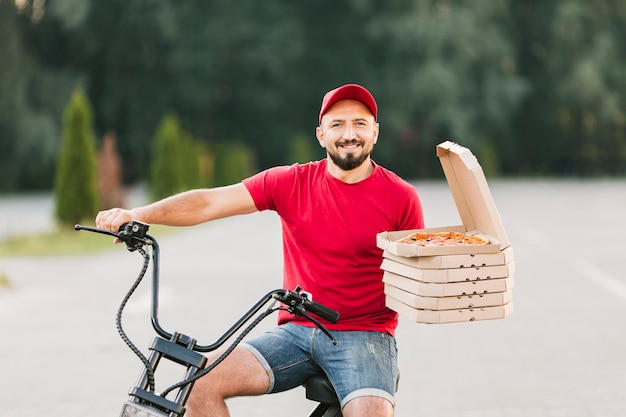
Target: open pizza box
x: 474, y: 203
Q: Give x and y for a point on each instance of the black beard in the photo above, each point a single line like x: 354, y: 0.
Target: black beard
x: 349, y: 162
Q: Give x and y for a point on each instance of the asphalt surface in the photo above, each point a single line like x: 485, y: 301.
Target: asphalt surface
x: 561, y: 354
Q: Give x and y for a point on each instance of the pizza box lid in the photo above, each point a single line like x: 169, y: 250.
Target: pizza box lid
x: 474, y: 203
x: 449, y: 316
x: 470, y: 191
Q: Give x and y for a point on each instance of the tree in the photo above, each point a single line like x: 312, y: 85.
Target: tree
x: 125, y: 48
x: 75, y: 185
x: 454, y: 77
x: 166, y: 170
x: 179, y: 162
x: 572, y: 53
x: 233, y: 163
x: 32, y: 98
x: 13, y: 53
x: 197, y: 161
x: 536, y: 87
x: 110, y: 173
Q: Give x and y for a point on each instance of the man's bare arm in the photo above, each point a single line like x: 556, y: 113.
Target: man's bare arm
x: 185, y: 209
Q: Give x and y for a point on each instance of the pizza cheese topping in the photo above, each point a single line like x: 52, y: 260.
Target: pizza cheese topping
x: 443, y: 239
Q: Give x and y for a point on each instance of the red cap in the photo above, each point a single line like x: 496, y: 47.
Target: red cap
x: 349, y: 92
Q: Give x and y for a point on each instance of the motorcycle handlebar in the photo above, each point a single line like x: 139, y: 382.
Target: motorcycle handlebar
x: 322, y: 311
x: 134, y: 235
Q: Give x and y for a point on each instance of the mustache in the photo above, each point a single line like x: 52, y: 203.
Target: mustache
x: 350, y: 142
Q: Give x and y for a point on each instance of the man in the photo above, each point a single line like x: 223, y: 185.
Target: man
x: 331, y: 211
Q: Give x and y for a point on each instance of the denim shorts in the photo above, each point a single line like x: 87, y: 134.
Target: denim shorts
x: 361, y: 364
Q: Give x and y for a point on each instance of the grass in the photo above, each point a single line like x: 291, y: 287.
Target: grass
x: 4, y: 280
x: 61, y: 241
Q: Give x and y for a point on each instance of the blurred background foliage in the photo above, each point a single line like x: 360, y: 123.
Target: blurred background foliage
x: 534, y: 88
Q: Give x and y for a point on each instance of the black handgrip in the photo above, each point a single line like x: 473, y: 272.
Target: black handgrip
x: 321, y: 310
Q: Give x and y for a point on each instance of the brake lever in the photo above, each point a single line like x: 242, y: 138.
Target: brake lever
x: 79, y: 227
x: 319, y: 325
x: 133, y: 234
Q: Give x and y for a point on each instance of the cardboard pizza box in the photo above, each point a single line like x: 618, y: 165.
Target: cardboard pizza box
x: 474, y: 203
x: 449, y: 316
x: 449, y: 303
x: 390, y: 241
x: 455, y: 261
x: 427, y: 289
x: 448, y: 275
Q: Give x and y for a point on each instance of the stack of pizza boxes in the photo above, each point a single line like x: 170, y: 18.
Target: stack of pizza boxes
x: 446, y: 284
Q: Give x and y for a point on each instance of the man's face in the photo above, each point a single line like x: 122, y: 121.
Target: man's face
x: 348, y: 132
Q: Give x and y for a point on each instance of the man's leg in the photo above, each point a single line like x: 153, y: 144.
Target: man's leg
x: 240, y: 374
x: 363, y: 368
x: 368, y: 407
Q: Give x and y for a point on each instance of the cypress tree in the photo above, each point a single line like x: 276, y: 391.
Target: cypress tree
x: 75, y: 186
x: 167, y: 175
x: 192, y: 152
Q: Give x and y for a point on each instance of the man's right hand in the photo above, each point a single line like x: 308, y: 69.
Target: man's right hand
x: 113, y: 219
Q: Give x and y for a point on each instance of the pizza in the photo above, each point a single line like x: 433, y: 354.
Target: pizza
x: 443, y: 239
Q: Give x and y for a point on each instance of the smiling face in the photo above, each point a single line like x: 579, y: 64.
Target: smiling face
x: 348, y: 132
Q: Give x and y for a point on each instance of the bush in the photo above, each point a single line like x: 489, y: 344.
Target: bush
x: 179, y: 162
x: 75, y: 185
x: 166, y: 170
x: 233, y: 163
x: 303, y: 149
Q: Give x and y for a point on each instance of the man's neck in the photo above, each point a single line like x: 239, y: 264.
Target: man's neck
x: 353, y: 176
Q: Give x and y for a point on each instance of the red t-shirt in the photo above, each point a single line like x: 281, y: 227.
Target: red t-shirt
x: 329, y: 237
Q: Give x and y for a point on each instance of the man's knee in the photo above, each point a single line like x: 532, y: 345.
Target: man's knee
x: 240, y: 374
x: 368, y: 406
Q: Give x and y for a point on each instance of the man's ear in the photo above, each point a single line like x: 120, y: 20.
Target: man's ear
x: 376, y: 134
x: 320, y: 137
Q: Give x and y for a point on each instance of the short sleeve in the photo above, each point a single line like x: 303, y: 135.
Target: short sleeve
x: 265, y: 186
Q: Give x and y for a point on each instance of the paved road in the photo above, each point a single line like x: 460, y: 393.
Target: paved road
x: 25, y: 214
x: 560, y: 354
